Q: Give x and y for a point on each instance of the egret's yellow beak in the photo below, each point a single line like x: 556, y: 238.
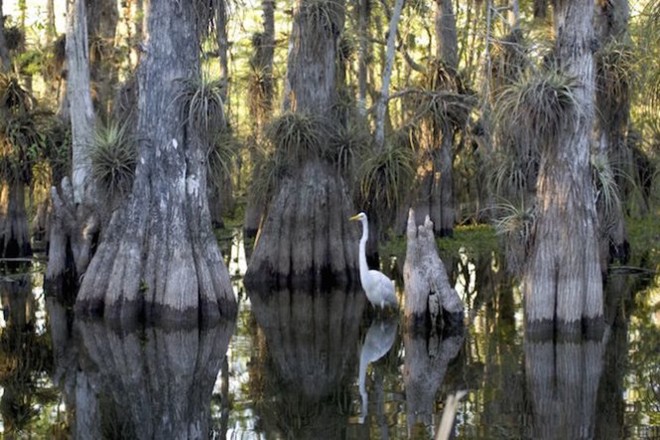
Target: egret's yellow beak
x: 355, y: 217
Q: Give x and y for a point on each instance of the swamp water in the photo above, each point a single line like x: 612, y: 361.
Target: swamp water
x: 295, y: 365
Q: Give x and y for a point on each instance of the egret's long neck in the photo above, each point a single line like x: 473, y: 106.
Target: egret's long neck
x: 364, y: 268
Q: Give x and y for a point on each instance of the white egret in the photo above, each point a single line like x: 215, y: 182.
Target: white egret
x: 379, y: 288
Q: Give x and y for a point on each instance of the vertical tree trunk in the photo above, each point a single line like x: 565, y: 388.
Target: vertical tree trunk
x: 80, y: 101
x: 14, y: 234
x: 364, y: 12
x: 159, y: 258
x: 261, y: 103
x: 381, y: 105
x: 73, y: 222
x: 562, y: 280
x: 540, y: 9
x: 438, y: 189
x: 613, y: 110
x: 305, y: 237
x: 102, y: 19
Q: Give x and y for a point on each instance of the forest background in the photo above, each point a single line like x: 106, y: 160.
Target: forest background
x: 449, y: 125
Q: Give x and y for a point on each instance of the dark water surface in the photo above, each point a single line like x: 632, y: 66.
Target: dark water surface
x: 301, y: 365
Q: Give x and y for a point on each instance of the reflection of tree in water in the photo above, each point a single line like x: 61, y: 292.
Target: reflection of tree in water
x: 301, y: 383
x: 562, y: 384
x: 141, y: 383
x: 24, y: 357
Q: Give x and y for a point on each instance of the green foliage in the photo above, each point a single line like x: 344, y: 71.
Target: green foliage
x: 644, y: 238
x: 202, y: 106
x: 24, y: 131
x: 538, y: 107
x: 13, y: 97
x: 114, y: 156
x: 513, y: 169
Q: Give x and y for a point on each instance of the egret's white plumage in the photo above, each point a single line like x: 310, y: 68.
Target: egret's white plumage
x: 379, y: 288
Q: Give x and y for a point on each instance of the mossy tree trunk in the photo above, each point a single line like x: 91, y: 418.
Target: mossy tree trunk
x: 562, y: 280
x: 305, y: 237
x: 159, y: 257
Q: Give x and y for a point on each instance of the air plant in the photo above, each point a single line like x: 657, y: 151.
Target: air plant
x: 539, y: 106
x: 385, y: 175
x: 324, y: 15
x: 347, y: 143
x: 113, y: 155
x: 515, y: 224
x: 221, y: 157
x: 297, y: 136
x: 614, y: 63
x: 202, y: 107
x: 606, y: 188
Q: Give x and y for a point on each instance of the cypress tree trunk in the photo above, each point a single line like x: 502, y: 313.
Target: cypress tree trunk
x: 74, y: 224
x: 159, y: 256
x: 14, y: 234
x: 261, y: 104
x: 613, y: 104
x: 562, y: 280
x: 437, y: 190
x: 305, y: 237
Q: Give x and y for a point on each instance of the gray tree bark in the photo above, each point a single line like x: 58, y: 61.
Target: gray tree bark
x: 74, y: 223
x: 562, y: 279
x: 305, y: 237
x: 383, y: 98
x: 159, y: 259
x: 80, y: 101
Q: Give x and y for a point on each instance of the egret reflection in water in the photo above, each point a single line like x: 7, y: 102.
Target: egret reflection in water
x: 377, y: 342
